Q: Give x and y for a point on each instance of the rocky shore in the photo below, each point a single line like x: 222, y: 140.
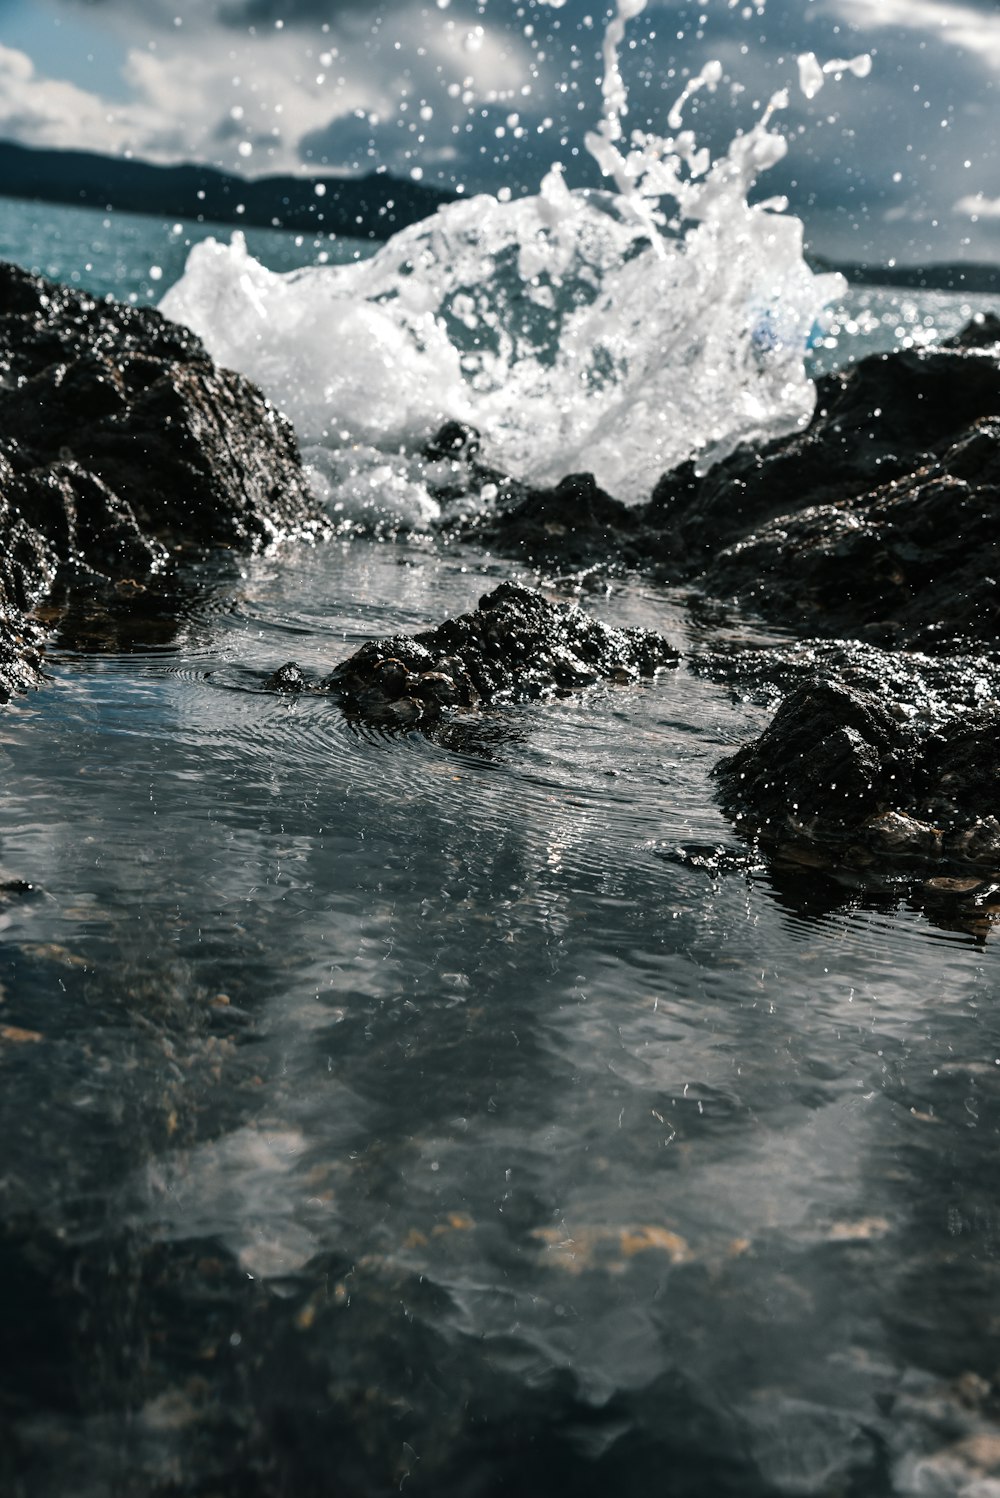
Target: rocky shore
x: 124, y: 449
x: 875, y: 529
x: 121, y: 446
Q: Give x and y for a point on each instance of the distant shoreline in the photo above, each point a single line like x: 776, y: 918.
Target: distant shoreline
x: 972, y: 276
x: 372, y: 207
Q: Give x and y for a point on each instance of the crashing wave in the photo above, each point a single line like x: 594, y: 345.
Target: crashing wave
x: 618, y: 332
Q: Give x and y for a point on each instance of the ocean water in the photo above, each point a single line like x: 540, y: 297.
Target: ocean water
x: 387, y: 1115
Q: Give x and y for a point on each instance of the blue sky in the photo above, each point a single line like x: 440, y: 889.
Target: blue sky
x: 486, y: 93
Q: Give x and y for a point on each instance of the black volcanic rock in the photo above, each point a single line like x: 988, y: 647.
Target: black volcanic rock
x: 121, y: 443
x: 884, y: 418
x: 846, y: 774
x: 514, y: 647
x: 915, y: 561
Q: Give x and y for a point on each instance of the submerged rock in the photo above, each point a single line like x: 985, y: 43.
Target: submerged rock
x: 514, y: 647
x: 120, y: 442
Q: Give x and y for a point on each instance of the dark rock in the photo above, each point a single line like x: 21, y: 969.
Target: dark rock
x: 515, y: 647
x: 287, y: 678
x: 883, y: 418
x: 915, y: 561
x: 121, y: 442
x: 455, y: 440
x: 196, y: 452
x: 832, y: 527
x: 928, y: 690
x: 573, y: 524
x: 981, y: 331
x: 864, y: 784
x: 830, y: 758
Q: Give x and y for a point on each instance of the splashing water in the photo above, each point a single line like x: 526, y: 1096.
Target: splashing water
x: 618, y: 332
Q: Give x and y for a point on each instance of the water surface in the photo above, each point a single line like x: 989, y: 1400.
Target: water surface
x: 439, y: 1113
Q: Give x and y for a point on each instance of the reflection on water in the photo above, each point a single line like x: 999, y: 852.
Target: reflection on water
x: 382, y: 1112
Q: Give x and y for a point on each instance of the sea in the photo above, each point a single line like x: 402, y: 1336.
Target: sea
x: 389, y: 1115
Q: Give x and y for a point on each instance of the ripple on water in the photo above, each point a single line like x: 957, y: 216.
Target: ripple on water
x: 487, y: 1026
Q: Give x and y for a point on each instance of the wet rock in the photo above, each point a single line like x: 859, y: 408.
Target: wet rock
x: 877, y: 517
x: 883, y: 418
x: 826, y: 762
x: 196, y: 452
x: 839, y: 773
x: 455, y: 440
x: 514, y: 647
x: 914, y: 562
x: 573, y: 524
x: 915, y: 686
x: 288, y: 678
x: 121, y: 443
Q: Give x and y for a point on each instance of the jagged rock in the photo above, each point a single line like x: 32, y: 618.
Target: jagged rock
x: 288, y: 678
x: 195, y: 451
x: 515, y: 647
x: 928, y: 690
x: 915, y: 561
x: 843, y: 772
x: 120, y: 442
x: 573, y: 524
x: 884, y: 417
x: 837, y: 528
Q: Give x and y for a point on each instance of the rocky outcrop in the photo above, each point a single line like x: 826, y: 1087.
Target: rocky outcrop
x: 914, y: 562
x: 878, y: 519
x: 120, y: 444
x: 885, y: 417
x: 851, y: 776
x: 515, y: 647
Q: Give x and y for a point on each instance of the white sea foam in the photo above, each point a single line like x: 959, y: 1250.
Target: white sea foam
x: 616, y: 332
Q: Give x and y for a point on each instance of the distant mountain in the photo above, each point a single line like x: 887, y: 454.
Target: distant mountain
x: 371, y: 207
x: 958, y: 275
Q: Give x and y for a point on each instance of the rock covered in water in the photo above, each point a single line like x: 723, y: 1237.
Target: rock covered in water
x: 121, y: 441
x: 515, y: 647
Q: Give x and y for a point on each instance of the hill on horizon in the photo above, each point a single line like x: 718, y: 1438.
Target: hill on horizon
x: 369, y: 207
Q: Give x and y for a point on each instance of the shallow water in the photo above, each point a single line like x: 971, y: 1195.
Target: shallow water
x: 395, y: 1113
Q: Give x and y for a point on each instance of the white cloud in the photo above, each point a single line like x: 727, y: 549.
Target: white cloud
x: 974, y: 205
x: 50, y: 112
x: 962, y: 26
x: 206, y: 92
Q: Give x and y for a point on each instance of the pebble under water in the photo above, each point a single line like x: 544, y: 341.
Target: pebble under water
x: 467, y: 1115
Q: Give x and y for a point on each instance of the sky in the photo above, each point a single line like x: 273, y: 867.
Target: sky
x: 483, y: 95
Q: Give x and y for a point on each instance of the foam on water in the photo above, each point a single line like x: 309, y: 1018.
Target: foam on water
x: 618, y: 332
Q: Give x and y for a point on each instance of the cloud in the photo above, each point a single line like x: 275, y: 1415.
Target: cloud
x: 976, y: 206
x: 489, y: 94
x: 41, y: 111
x: 973, y: 29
